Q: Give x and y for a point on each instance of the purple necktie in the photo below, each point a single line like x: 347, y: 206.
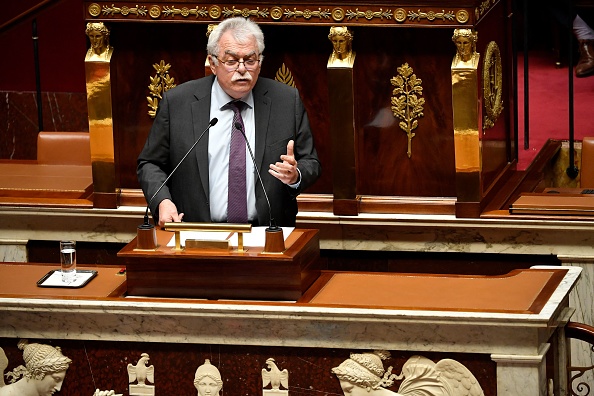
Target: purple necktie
x: 237, y: 195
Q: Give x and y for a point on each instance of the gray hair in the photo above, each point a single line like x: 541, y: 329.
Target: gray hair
x: 242, y: 29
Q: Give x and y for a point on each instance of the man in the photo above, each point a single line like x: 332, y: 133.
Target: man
x: 581, y: 21
x: 275, y: 124
x: 585, y: 36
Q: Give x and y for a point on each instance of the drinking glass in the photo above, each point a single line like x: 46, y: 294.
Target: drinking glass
x: 68, y: 261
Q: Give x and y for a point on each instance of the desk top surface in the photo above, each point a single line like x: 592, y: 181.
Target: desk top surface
x: 520, y: 291
x: 20, y: 280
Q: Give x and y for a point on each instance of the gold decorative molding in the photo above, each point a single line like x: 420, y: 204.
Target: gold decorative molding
x: 406, y: 103
x: 185, y: 12
x: 431, y: 15
x: 160, y: 83
x: 283, y: 74
x: 245, y: 12
x: 492, y: 85
x: 307, y: 14
x: 482, y: 9
x: 214, y: 12
x: 400, y: 15
x: 94, y: 9
x: 462, y: 16
x: 299, y: 14
x: 155, y: 11
x: 369, y: 14
x: 125, y: 10
x: 337, y: 14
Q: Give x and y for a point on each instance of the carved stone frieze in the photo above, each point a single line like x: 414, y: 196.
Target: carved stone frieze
x: 419, y: 375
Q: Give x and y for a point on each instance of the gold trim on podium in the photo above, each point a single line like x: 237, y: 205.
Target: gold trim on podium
x: 240, y: 229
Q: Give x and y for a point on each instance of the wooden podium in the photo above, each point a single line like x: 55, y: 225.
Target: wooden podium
x: 224, y: 274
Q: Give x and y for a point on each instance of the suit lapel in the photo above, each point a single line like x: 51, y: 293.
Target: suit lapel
x: 262, y: 105
x: 200, y: 120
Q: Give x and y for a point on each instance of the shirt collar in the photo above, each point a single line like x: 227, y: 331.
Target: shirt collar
x: 220, y: 97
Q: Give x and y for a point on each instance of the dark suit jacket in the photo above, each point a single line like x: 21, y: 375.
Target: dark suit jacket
x: 184, y: 112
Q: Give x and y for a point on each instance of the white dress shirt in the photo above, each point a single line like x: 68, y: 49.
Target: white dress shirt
x: 219, y: 145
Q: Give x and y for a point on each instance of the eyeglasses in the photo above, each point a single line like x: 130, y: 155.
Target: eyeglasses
x: 233, y: 64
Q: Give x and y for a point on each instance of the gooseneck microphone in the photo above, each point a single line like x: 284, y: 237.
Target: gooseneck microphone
x: 272, y: 225
x: 146, y: 223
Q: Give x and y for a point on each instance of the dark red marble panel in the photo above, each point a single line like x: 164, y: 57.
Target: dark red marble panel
x: 19, y: 125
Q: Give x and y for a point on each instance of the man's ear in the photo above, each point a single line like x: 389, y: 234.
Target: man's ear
x: 211, y: 61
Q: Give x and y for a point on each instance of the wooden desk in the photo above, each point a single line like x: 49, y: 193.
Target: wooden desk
x: 564, y: 202
x: 520, y: 291
x: 222, y: 274
x: 48, y: 181
x: 20, y: 280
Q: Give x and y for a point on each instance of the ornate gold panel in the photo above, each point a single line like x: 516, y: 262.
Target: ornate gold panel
x: 284, y: 75
x: 492, y: 85
x: 160, y: 83
x: 406, y: 103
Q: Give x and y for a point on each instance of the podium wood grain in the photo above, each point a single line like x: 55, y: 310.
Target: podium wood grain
x: 222, y: 274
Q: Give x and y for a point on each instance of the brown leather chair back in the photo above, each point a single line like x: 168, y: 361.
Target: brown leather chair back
x: 63, y: 148
x: 587, y: 168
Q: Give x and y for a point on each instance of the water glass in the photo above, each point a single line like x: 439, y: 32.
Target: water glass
x: 68, y: 261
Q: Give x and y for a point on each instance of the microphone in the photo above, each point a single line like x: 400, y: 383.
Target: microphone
x: 146, y: 228
x: 275, y: 242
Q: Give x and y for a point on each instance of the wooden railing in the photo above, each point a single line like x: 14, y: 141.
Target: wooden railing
x: 31, y: 12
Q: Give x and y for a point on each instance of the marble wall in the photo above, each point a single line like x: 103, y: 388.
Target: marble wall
x: 19, y: 123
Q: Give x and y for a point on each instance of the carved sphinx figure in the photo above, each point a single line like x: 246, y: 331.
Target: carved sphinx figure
x: 42, y: 375
x: 207, y: 380
x: 465, y: 40
x: 363, y: 374
x: 342, y: 43
x: 100, y: 49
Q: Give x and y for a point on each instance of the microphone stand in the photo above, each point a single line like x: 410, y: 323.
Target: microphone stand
x: 274, y: 239
x: 146, y: 235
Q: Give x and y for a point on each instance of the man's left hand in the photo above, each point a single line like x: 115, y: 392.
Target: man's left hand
x: 286, y: 171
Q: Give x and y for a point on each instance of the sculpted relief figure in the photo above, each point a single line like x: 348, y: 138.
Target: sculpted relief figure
x: 275, y: 378
x: 106, y: 393
x: 342, y: 43
x: 363, y: 374
x: 466, y: 55
x: 141, y: 373
x: 42, y: 375
x: 207, y: 380
x: 100, y: 49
